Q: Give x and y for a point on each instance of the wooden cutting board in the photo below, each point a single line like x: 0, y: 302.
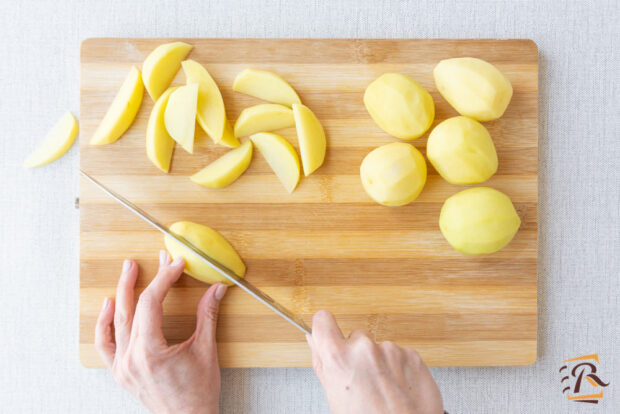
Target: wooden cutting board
x: 327, y: 245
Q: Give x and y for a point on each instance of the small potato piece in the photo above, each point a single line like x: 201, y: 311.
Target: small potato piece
x: 161, y: 65
x: 180, y: 115
x: 281, y: 157
x: 210, y: 242
x: 265, y: 85
x: 399, y: 105
x: 311, y: 136
x: 263, y: 118
x: 394, y: 174
x: 474, y: 87
x: 462, y: 151
x: 56, y: 143
x: 479, y: 221
x: 159, y: 143
x: 226, y: 169
x: 122, y: 111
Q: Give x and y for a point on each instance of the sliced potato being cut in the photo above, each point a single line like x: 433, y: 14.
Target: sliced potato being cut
x: 122, y: 111
x: 263, y: 118
x: 159, y: 143
x: 209, y: 241
x: 226, y: 169
x: 56, y: 143
x: 161, y: 65
x: 210, y: 112
x: 281, y: 157
x: 180, y: 115
x: 311, y: 138
x: 265, y: 85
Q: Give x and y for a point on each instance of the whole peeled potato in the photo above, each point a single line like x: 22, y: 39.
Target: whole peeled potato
x: 393, y: 174
x: 479, y: 220
x: 462, y: 151
x: 399, y: 105
x: 474, y: 87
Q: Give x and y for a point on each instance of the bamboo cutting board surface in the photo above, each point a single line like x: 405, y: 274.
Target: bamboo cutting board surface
x: 327, y: 245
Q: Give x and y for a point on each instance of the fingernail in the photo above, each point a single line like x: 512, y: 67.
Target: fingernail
x: 309, y: 340
x: 178, y: 261
x: 126, y: 265
x: 106, y: 303
x: 220, y: 291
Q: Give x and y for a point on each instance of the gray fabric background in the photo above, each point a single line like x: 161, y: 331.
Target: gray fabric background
x: 579, y: 191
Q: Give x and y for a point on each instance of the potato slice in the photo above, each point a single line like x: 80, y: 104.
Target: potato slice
x: 180, y: 115
x: 479, y: 220
x: 394, y: 174
x: 265, y: 85
x: 122, y: 111
x: 56, y: 143
x: 229, y: 139
x: 159, y: 144
x: 399, y: 105
x: 462, y: 151
x: 311, y: 138
x: 281, y: 156
x: 474, y: 87
x: 226, y: 169
x: 210, y: 112
x: 263, y: 118
x: 161, y: 65
x: 210, y: 242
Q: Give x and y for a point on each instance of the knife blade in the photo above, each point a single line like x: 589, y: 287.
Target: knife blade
x: 217, y: 266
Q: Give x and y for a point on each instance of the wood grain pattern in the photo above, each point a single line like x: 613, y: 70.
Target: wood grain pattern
x: 327, y: 245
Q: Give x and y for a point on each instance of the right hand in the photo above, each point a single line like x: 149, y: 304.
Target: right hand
x: 361, y: 376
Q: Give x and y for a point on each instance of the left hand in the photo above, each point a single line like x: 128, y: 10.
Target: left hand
x: 167, y: 379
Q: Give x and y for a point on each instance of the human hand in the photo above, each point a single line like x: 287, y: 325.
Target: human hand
x: 361, y: 376
x: 182, y: 378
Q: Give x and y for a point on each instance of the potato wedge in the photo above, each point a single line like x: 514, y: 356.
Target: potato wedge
x: 281, y: 157
x: 263, y: 118
x: 265, y: 85
x: 159, y: 143
x: 161, y: 65
x: 56, y: 143
x: 226, y: 169
x: 312, y: 143
x: 180, y: 115
x: 210, y: 242
x: 122, y: 111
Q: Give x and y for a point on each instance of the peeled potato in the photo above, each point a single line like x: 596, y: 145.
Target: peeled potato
x: 265, y: 85
x: 474, y: 87
x: 161, y: 65
x: 56, y: 143
x: 281, y: 157
x: 399, y: 105
x: 263, y: 118
x: 210, y: 242
x: 462, y: 151
x: 311, y: 138
x: 122, y: 110
x: 226, y: 169
x: 159, y: 143
x: 180, y: 115
x: 394, y: 174
x: 479, y: 220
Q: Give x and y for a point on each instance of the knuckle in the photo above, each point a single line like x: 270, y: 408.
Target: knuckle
x: 121, y: 318
x: 414, y: 357
x: 211, y: 312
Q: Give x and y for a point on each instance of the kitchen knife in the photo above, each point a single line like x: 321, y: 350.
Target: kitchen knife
x: 221, y: 269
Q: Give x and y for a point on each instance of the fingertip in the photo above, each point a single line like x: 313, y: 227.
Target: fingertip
x: 178, y: 262
x: 220, y: 291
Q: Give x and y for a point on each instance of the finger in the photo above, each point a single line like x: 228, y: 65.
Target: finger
x: 359, y: 334
x: 149, y: 313
x: 104, y: 334
x: 325, y: 331
x: 206, y: 316
x: 125, y: 308
x: 317, y: 363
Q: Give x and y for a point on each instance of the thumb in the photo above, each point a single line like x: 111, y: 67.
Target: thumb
x: 206, y: 317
